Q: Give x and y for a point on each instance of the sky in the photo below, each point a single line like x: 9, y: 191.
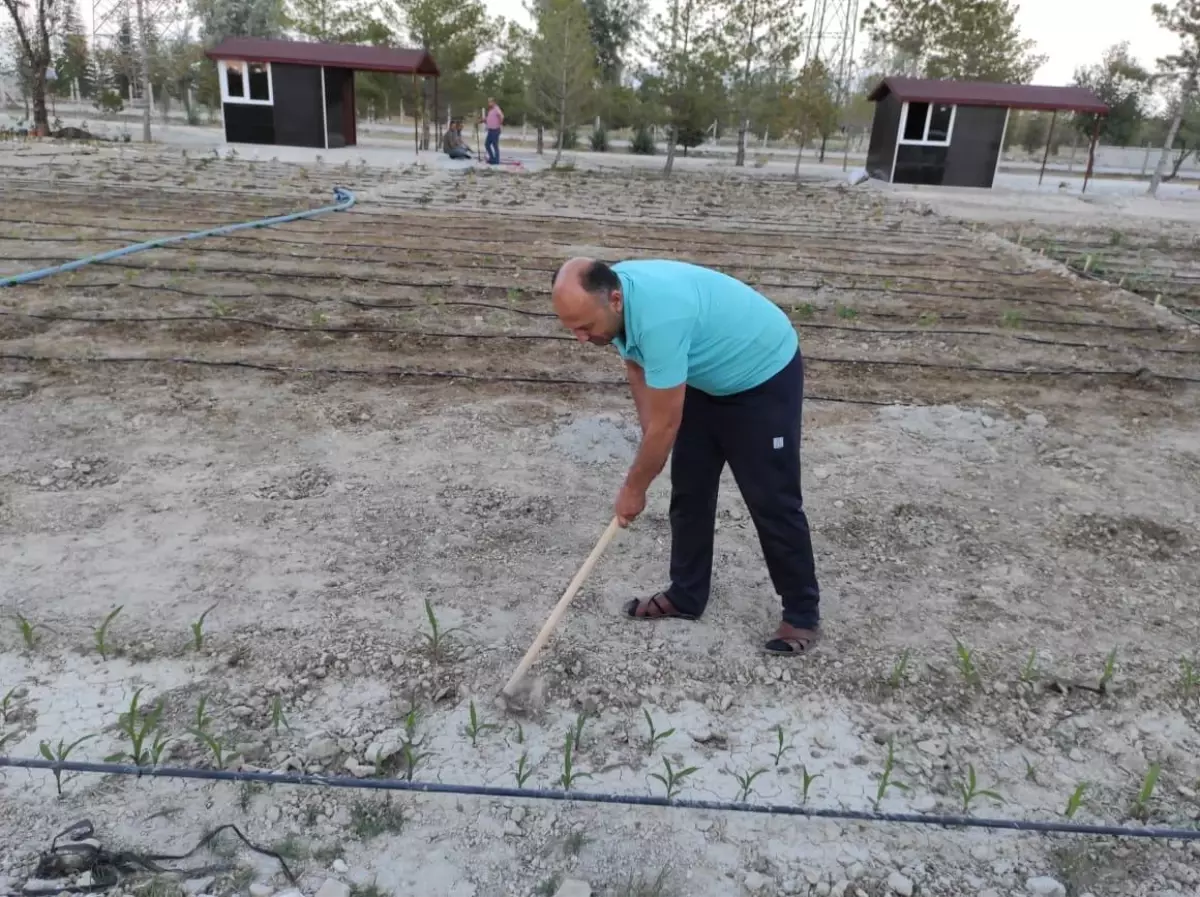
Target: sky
x: 1072, y: 33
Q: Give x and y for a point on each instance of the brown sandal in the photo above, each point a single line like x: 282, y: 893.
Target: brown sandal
x: 631, y: 609
x: 793, y: 645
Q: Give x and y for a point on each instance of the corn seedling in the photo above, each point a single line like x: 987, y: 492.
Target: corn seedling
x: 900, y: 669
x: 409, y: 752
x: 8, y: 737
x: 1110, y: 668
x: 966, y: 664
x: 1141, y: 804
x: 1075, y: 801
x: 318, y: 318
x: 101, y: 633
x: 1011, y: 319
x: 804, y: 311
x: 475, y: 727
x: 201, y: 720
x: 578, y: 730
x: 28, y: 632
x: 1030, y: 771
x: 60, y: 754
x: 569, y: 775
x: 278, y: 718
x: 927, y: 319
x: 885, y: 780
x: 806, y: 781
x: 8, y: 704
x: 970, y: 790
x: 846, y: 313
x: 138, y: 726
x: 655, y: 737
x: 780, y: 747
x: 198, y: 630
x: 673, y: 778
x: 220, y: 309
x: 520, y: 734
x: 1189, y: 678
x: 640, y: 886
x: 1029, y: 672
x: 437, y: 638
x: 524, y: 770
x: 216, y: 746
x: 745, y: 782
x: 574, y: 843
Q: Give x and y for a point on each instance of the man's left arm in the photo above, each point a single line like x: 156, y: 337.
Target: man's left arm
x: 664, y: 353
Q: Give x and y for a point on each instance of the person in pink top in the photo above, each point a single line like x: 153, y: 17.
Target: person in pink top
x: 493, y: 120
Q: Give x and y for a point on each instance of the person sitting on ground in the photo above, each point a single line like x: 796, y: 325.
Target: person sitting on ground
x: 453, y: 144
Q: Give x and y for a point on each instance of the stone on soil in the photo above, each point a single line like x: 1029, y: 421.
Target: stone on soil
x: 900, y: 884
x: 333, y: 888
x: 1044, y: 886
x: 573, y: 887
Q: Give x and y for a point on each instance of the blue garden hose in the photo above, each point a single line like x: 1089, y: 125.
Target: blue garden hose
x: 345, y: 199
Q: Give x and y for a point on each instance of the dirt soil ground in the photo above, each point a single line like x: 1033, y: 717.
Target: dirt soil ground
x: 314, y: 433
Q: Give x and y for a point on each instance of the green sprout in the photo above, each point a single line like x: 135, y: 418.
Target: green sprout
x: 60, y: 754
x: 970, y: 790
x: 655, y: 737
x: 673, y: 778
x: 101, y: 633
x: 475, y: 727
x: 198, y: 630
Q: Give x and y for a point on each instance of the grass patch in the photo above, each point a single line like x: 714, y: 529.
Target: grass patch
x: 372, y: 818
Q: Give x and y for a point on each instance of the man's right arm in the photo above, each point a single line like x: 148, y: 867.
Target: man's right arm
x: 637, y: 384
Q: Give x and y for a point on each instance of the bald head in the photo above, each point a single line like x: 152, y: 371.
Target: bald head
x: 586, y: 295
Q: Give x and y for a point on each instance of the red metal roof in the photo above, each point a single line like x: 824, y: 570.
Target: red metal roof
x: 983, y: 93
x: 348, y: 56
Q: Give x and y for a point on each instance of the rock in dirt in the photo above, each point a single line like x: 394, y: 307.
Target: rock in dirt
x: 333, y: 888
x: 198, y: 885
x: 340, y: 867
x: 900, y: 884
x: 1045, y: 886
x: 755, y: 882
x: 573, y: 887
x: 258, y: 889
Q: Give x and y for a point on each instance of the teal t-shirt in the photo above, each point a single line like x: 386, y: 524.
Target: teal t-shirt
x: 688, y: 324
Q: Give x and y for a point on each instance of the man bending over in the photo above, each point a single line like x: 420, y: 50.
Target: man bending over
x: 716, y: 373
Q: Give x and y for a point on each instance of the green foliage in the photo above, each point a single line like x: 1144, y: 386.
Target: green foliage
x: 613, y: 25
x: 198, y: 630
x: 968, y: 40
x: 1125, y: 87
x: 672, y: 778
x: 476, y: 726
x: 642, y: 143
x: 138, y: 725
x: 969, y: 790
x: 100, y: 635
x: 599, y: 140
x: 569, y: 775
x: 561, y: 65
x: 655, y: 736
x: 61, y: 753
x: 810, y: 107
x: 1141, y: 803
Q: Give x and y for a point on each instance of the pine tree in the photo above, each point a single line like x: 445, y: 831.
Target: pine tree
x: 685, y: 52
x: 1124, y: 86
x: 562, y: 66
x: 1182, y: 67
x: 760, y: 40
x: 965, y: 40
x: 71, y: 63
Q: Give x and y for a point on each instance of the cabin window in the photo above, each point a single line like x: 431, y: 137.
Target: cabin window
x: 927, y: 123
x: 245, y: 82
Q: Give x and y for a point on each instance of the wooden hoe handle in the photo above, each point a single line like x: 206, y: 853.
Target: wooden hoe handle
x: 561, y: 607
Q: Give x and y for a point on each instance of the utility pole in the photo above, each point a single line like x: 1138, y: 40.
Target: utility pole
x: 144, y: 32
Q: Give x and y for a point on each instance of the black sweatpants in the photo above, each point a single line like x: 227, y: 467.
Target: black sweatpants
x: 758, y: 433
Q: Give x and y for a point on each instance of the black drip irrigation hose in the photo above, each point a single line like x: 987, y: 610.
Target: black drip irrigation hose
x: 514, y: 378
x: 231, y: 320
x: 243, y: 273
x: 385, y: 372
x: 636, y: 800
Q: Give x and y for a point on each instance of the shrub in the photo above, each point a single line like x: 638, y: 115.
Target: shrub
x: 643, y: 142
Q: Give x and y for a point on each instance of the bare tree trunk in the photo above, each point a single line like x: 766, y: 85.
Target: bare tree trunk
x: 144, y: 53
x: 562, y: 126
x: 799, y: 153
x: 41, y: 113
x: 1172, y: 133
x: 740, y: 159
x: 541, y: 133
x: 670, y: 151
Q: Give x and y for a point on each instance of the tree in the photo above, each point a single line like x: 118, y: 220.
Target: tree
x: 34, y: 23
x: 72, y: 63
x: 334, y: 21
x: 967, y: 40
x: 1125, y: 88
x: 811, y: 106
x: 759, y: 41
x: 454, y: 32
x: 562, y: 64
x: 220, y: 19
x: 507, y: 77
x: 1182, y: 67
x: 614, y: 24
x: 685, y: 83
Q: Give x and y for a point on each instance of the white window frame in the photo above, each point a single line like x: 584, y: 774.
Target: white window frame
x: 223, y: 73
x: 925, y: 141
